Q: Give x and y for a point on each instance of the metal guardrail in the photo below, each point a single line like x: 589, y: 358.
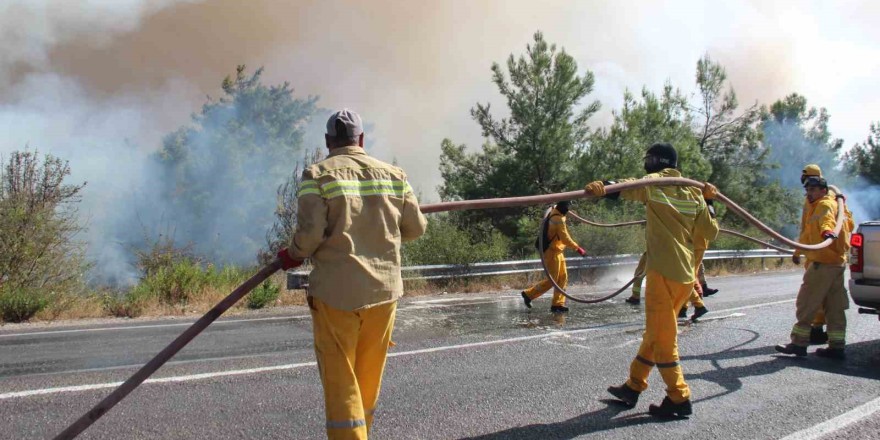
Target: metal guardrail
x: 299, y: 279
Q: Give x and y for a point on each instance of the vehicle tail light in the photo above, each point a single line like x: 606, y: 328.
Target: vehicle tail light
x: 856, y: 260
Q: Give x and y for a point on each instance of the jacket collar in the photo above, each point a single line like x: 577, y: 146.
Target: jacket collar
x: 348, y: 151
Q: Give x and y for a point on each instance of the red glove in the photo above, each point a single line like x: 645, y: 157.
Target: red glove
x: 581, y: 251
x: 287, y: 262
x: 828, y: 234
x: 698, y: 288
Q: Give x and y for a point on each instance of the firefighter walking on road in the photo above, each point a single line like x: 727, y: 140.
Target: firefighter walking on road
x: 823, y: 283
x: 556, y: 239
x: 674, y: 215
x: 354, y: 212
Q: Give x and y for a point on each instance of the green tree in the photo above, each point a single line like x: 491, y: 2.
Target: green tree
x: 217, y: 170
x: 863, y: 160
x: 618, y: 151
x: 732, y: 142
x: 38, y: 228
x: 533, y: 150
x: 798, y: 135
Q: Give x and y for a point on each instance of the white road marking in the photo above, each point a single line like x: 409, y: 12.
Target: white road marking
x: 554, y: 333
x: 446, y: 300
x: 56, y: 390
x: 839, y: 422
x: 139, y: 327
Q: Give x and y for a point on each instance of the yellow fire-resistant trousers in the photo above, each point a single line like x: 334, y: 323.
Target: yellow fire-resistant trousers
x: 351, y: 348
x: 822, y: 287
x: 640, y: 269
x: 555, y: 261
x: 663, y: 299
x: 696, y: 298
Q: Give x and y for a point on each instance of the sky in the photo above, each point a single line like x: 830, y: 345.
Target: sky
x: 101, y: 81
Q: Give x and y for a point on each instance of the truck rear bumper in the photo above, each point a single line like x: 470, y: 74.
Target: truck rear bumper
x: 865, y: 295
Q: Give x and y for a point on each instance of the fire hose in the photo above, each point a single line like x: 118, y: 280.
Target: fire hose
x: 841, y: 216
x: 202, y: 323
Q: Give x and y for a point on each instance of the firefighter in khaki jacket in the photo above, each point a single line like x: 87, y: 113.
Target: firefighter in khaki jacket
x: 817, y: 333
x: 823, y: 279
x: 675, y: 215
x: 556, y: 240
x: 354, y: 212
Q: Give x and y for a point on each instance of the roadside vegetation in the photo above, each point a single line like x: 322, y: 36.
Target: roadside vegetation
x: 545, y: 143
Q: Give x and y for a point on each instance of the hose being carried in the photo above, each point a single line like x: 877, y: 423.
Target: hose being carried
x: 641, y: 222
x: 617, y: 187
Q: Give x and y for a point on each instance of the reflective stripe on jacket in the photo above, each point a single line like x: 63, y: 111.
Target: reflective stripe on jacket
x: 354, y: 211
x: 676, y: 214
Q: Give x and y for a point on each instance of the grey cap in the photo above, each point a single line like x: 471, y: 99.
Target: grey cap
x: 353, y: 124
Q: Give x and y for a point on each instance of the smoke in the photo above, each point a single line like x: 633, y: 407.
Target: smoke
x: 791, y: 149
x: 100, y: 83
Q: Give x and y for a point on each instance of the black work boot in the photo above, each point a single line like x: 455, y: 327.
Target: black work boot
x: 683, y: 313
x: 559, y: 309
x: 831, y: 353
x: 625, y: 394
x: 818, y: 336
x: 707, y: 291
x: 634, y: 300
x: 699, y: 311
x: 526, y: 299
x: 669, y: 409
x: 796, y: 350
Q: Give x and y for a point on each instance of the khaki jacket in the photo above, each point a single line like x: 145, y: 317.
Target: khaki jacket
x: 821, y: 216
x: 354, y: 212
x: 676, y: 216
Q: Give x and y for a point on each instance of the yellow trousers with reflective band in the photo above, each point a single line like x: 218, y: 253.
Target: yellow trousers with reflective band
x: 351, y: 348
x: 696, y: 300
x: 819, y: 320
x: 555, y: 262
x: 640, y: 269
x: 822, y: 288
x: 663, y: 299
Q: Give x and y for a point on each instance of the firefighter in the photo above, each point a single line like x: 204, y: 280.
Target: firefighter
x: 700, y: 245
x: 354, y: 212
x: 674, y: 214
x: 638, y: 276
x: 556, y: 239
x: 823, y: 279
x: 817, y: 331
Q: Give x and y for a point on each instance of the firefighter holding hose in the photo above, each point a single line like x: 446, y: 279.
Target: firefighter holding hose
x: 675, y: 214
x: 822, y: 285
x: 555, y: 239
x: 354, y: 212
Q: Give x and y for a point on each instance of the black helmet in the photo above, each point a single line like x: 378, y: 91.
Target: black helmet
x: 563, y: 206
x: 659, y: 157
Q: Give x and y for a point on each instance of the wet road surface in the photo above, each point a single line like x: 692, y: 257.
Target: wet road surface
x: 475, y: 366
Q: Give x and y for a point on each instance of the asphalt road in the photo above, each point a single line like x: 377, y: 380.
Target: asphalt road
x: 477, y: 366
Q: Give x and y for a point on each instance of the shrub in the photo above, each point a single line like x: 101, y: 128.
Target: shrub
x: 17, y: 305
x: 445, y: 243
x: 129, y: 305
x: 263, y: 295
x: 173, y: 285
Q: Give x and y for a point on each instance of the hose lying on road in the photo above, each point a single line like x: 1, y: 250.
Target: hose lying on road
x: 154, y: 364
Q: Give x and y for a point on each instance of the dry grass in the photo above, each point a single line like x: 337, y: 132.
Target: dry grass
x: 94, y: 305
